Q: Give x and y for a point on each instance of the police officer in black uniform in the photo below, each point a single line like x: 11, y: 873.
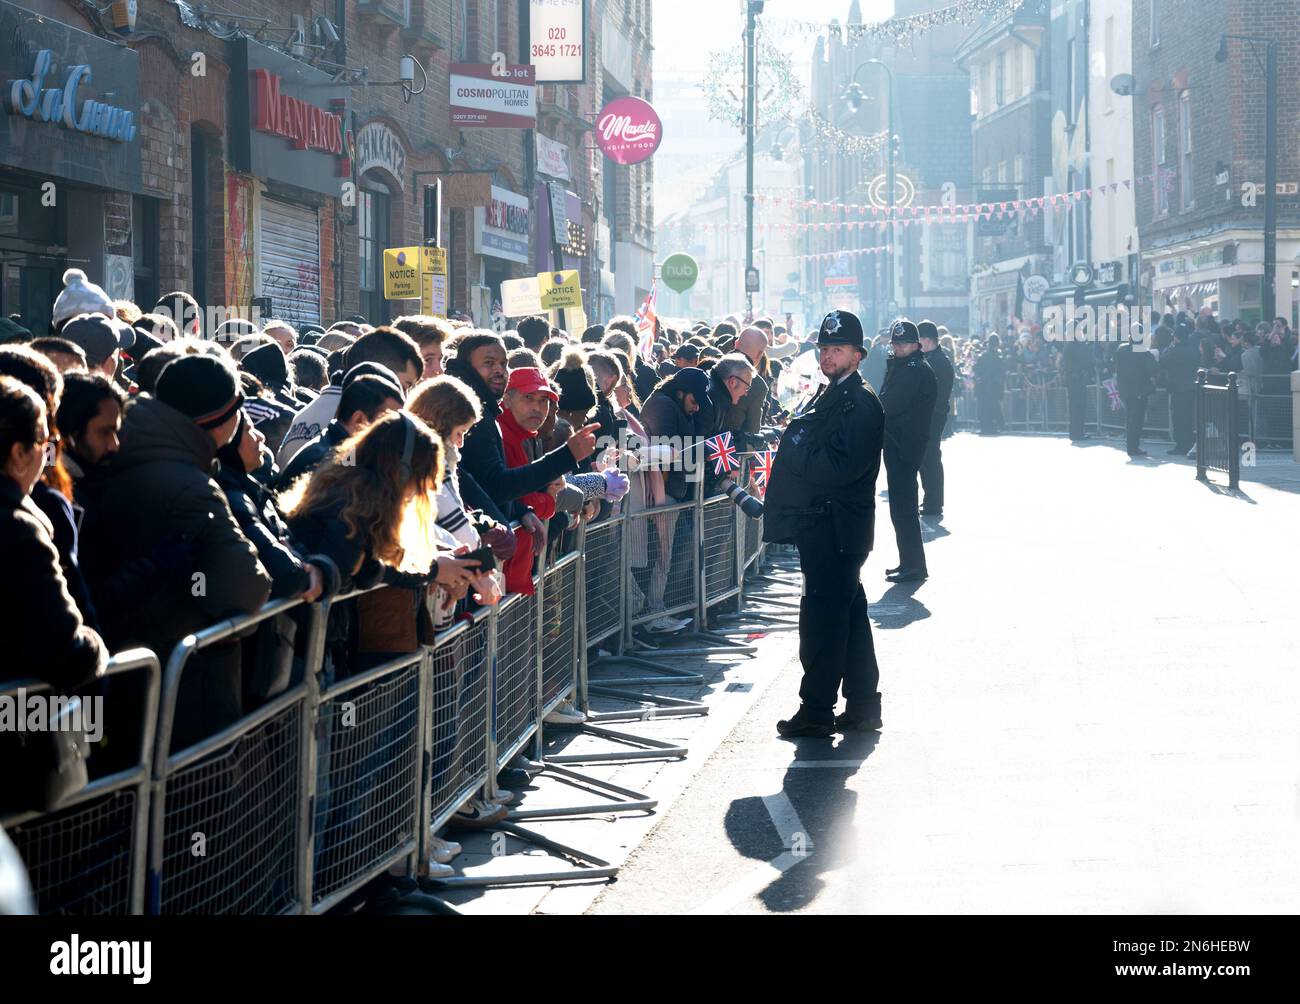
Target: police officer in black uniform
x: 932, y: 462
x: 822, y: 498
x: 908, y: 399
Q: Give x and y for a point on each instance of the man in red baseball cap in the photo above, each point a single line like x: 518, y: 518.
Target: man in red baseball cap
x: 527, y: 401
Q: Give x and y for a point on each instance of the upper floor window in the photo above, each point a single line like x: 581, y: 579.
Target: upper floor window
x: 1187, y: 191
x: 1159, y: 177
x: 1155, y: 23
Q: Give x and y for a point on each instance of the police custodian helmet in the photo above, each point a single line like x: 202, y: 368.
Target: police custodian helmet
x: 841, y: 327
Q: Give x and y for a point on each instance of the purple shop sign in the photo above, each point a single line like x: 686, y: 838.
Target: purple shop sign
x: 628, y: 130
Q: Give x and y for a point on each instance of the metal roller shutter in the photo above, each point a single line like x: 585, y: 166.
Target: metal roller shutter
x: 289, y: 267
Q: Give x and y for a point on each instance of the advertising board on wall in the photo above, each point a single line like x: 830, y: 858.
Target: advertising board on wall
x: 482, y: 100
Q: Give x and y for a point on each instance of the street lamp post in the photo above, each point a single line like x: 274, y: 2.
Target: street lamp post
x: 752, y: 9
x: 1268, y: 282
x: 853, y: 95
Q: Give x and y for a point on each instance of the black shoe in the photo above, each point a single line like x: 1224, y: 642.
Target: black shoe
x: 1175, y: 451
x: 909, y: 575
x: 893, y: 571
x: 932, y: 513
x: 800, y: 724
x: 1138, y: 453
x: 851, y: 721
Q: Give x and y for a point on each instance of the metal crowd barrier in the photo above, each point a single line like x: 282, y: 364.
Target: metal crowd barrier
x: 298, y: 804
x: 1217, y: 437
x: 88, y: 856
x: 1268, y: 408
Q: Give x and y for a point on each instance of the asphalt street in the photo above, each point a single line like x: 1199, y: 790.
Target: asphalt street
x: 1091, y: 706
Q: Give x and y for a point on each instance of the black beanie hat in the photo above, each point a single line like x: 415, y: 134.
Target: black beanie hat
x: 266, y: 362
x: 201, y: 387
x: 574, y: 381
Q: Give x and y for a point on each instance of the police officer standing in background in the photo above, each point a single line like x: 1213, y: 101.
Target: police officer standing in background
x: 822, y: 498
x: 932, y: 462
x: 908, y: 399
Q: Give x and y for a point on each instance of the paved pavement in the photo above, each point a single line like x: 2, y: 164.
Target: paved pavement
x: 1092, y: 706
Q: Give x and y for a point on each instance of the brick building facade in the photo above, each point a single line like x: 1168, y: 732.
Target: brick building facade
x: 1198, y: 139
x: 218, y: 204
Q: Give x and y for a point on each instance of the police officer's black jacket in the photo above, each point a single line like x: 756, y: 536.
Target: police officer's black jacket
x: 944, y: 377
x: 908, y: 399
x: 827, y: 465
x: 1135, y: 372
x: 1180, y: 362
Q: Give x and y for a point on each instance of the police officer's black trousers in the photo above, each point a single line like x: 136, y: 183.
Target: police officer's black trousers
x: 1135, y: 417
x: 932, y: 473
x: 1182, y: 416
x: 835, y: 645
x: 902, y: 511
x: 1076, y: 393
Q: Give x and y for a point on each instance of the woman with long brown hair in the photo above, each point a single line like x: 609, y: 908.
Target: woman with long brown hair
x: 371, y: 509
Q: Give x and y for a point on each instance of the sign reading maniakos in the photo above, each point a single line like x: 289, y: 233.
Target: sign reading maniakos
x: 628, y: 130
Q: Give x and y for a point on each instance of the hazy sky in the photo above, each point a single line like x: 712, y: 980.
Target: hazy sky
x: 686, y: 34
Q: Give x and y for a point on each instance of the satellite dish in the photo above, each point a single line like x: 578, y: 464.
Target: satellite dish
x: 1123, y: 84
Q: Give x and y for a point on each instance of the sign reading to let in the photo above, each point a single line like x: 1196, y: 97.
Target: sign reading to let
x: 560, y: 289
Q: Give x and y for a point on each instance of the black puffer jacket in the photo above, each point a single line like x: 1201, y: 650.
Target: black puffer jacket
x: 163, y: 512
x: 826, y: 466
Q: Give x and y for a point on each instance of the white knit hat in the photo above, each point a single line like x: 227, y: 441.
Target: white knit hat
x: 80, y: 296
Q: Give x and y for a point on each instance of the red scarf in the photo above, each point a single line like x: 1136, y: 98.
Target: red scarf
x: 519, y: 569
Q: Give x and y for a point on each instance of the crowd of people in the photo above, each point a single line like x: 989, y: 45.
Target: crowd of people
x: 1262, y: 356
x: 161, y: 478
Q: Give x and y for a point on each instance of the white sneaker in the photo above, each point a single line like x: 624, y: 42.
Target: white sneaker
x: 565, y: 714
x: 667, y: 625
x: 437, y: 870
x: 503, y: 796
x: 523, y: 763
x: 442, y: 851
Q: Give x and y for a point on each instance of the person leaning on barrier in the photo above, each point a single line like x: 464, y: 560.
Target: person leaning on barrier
x: 1135, y: 381
x: 352, y: 510
x: 163, y: 553
x: 822, y: 499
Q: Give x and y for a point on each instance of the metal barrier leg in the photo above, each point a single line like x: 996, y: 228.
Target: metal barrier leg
x: 586, y: 866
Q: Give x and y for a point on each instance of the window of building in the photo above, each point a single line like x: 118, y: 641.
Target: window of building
x: 464, y: 45
x: 1031, y: 69
x: 1019, y: 177
x: 1000, y: 97
x: 1158, y: 178
x: 1155, y: 23
x: 1187, y: 191
x: 1112, y: 237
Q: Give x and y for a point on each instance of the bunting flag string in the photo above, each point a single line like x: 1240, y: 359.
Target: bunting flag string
x: 880, y: 217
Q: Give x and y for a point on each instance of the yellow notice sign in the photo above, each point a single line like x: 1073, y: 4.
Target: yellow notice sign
x: 560, y: 289
x: 433, y: 260
x: 402, y: 273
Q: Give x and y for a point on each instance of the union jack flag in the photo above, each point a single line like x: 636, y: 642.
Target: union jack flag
x: 722, y: 453
x: 761, y: 469
x: 645, y: 323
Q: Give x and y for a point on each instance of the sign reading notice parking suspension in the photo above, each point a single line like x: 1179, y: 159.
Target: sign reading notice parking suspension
x: 402, y: 273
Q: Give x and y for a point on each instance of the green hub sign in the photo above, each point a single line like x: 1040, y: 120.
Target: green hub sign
x: 679, y: 272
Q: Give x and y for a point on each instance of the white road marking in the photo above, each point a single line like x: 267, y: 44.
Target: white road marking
x: 794, y: 838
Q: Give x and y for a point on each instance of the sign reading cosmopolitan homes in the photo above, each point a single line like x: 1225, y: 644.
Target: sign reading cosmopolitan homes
x: 481, y: 99
x: 628, y: 130
x: 288, y: 121
x: 70, y: 102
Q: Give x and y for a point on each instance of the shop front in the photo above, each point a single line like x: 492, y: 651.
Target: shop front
x: 502, y: 230
x: 291, y: 145
x: 1223, y: 273
x: 68, y: 145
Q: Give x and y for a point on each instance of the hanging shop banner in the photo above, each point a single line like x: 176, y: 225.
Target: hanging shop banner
x: 501, y: 229
x: 289, y: 121
x: 556, y: 32
x: 560, y: 289
x: 521, y: 297
x: 553, y: 158
x: 70, y: 101
x: 479, y: 99
x: 628, y: 130
x: 679, y: 272
x: 402, y: 273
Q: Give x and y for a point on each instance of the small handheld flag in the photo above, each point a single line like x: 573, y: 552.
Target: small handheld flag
x: 722, y: 453
x: 762, y: 468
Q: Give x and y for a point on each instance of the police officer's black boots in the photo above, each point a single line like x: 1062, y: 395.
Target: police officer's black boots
x: 802, y: 723
x: 860, y: 719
